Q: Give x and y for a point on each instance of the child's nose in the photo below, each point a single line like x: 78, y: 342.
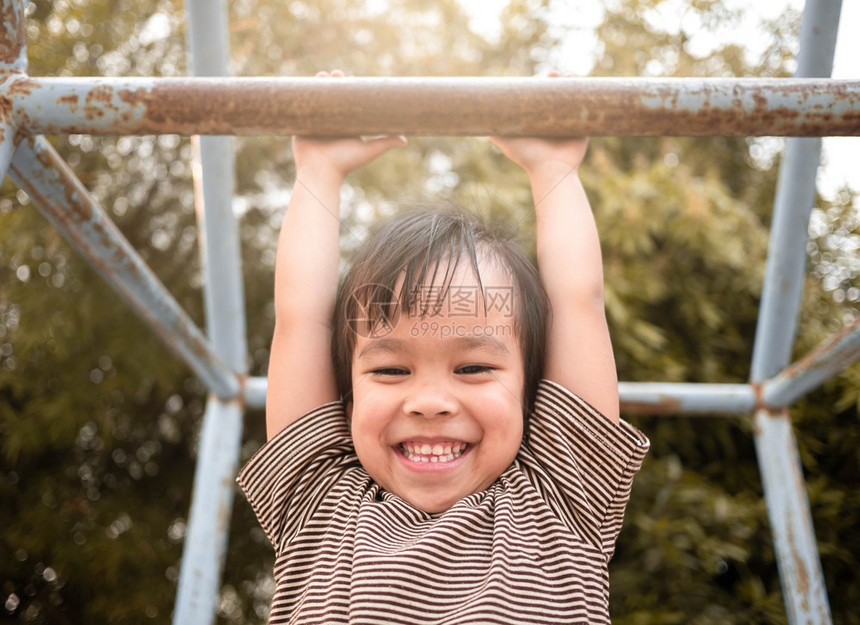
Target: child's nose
x: 430, y: 400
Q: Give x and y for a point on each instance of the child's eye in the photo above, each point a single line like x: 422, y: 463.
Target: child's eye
x: 473, y: 369
x: 388, y: 371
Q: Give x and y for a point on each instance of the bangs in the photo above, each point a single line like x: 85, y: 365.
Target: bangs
x: 412, y: 272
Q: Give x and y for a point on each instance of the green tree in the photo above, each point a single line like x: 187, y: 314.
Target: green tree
x: 98, y: 422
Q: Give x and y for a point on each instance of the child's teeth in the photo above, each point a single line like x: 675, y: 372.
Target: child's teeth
x: 437, y: 452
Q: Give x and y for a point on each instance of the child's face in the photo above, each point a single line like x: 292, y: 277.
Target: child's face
x: 437, y: 402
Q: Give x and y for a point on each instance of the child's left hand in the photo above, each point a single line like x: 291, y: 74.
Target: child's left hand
x: 533, y: 153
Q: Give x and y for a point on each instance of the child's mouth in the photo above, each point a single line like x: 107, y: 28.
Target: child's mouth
x: 432, y: 452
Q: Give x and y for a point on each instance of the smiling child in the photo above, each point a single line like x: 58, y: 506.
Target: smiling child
x: 445, y: 442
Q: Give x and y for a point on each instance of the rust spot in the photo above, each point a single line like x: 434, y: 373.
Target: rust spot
x: 138, y: 96
x: 20, y: 135
x: 801, y: 575
x: 71, y: 100
x: 663, y: 405
x: 5, y: 107
x: 98, y: 99
x: 102, y: 93
x: 9, y: 15
x: 24, y: 87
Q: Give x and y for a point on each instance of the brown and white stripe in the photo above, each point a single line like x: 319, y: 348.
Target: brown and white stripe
x: 533, y: 548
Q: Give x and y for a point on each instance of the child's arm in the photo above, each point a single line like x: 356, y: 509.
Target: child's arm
x: 579, y: 352
x: 301, y: 372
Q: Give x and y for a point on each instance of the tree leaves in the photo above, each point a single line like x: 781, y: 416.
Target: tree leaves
x: 98, y: 422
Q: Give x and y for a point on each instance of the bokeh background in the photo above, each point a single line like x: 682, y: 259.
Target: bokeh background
x: 99, y: 422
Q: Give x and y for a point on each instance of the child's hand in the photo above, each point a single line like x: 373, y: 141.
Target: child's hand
x: 535, y: 153
x: 340, y: 155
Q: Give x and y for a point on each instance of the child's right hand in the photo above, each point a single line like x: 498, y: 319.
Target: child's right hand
x: 338, y: 156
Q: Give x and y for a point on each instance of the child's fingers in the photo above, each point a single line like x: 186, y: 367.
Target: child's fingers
x: 380, y: 145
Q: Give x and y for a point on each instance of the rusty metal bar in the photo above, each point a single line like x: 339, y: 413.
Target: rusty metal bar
x: 803, y: 588
x: 205, y: 544
x: 828, y: 359
x: 40, y: 171
x: 442, y: 106
x: 13, y: 47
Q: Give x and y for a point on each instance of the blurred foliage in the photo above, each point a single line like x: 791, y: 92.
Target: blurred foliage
x: 98, y: 422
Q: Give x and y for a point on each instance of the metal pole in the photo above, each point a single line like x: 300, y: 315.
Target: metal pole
x: 804, y: 592
x: 13, y: 47
x: 205, y: 544
x: 13, y: 65
x: 209, y: 520
x: 442, y: 106
x: 824, y: 362
x: 40, y: 171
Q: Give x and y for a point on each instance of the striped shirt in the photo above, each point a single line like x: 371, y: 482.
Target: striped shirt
x: 532, y: 548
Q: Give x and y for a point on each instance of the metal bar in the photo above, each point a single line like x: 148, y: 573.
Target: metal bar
x: 636, y: 397
x: 804, y: 591
x: 40, y: 171
x: 824, y: 362
x: 677, y: 399
x: 209, y: 520
x: 442, y: 106
x: 205, y: 544
x: 255, y: 392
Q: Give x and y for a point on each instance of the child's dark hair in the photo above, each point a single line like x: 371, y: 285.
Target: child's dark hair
x: 424, y: 246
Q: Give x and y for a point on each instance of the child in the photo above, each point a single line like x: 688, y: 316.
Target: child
x: 416, y: 497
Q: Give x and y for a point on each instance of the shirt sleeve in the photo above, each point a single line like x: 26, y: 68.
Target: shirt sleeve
x: 582, y: 464
x: 286, y: 480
